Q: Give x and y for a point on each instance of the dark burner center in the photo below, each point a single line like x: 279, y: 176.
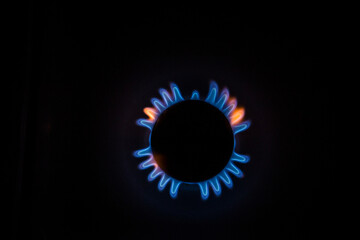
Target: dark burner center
x: 192, y: 141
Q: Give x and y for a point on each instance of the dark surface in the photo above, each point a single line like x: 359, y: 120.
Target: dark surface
x: 192, y: 141
x: 86, y: 71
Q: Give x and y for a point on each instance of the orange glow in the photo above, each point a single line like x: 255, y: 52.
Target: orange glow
x: 237, y: 115
x: 151, y: 112
x: 232, y: 100
x: 159, y: 159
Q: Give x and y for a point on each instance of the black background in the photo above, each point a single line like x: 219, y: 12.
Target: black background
x: 90, y: 70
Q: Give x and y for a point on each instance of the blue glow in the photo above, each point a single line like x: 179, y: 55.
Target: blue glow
x: 225, y: 104
x: 241, y: 127
x: 230, y: 108
x: 239, y: 158
x: 226, y: 179
x: 175, y: 184
x: 195, y: 95
x: 163, y: 181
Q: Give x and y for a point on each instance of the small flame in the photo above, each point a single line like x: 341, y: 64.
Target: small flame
x: 232, y: 100
x: 151, y: 112
x: 237, y: 115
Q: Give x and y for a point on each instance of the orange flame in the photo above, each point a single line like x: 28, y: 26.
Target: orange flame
x: 237, y: 115
x: 151, y: 112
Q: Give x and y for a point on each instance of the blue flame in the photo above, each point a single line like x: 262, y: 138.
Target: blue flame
x: 221, y: 101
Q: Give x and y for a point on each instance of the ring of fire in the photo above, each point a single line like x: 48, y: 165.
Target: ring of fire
x: 221, y: 101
